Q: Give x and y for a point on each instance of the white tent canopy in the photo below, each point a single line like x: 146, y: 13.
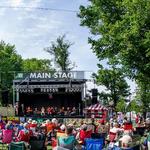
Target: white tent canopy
x: 96, y: 107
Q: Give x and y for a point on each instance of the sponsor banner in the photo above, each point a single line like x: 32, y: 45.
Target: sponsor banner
x: 22, y: 119
x: 13, y: 119
x: 4, y: 118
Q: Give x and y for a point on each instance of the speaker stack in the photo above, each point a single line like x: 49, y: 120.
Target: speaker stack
x: 5, y: 97
x: 94, y: 96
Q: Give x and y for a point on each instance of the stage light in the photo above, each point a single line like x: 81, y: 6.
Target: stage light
x: 50, y: 96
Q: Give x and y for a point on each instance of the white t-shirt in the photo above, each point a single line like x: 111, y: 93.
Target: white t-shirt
x: 126, y: 139
x: 115, y: 130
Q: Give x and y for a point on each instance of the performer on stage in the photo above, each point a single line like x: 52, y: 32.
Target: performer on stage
x: 74, y: 111
x: 22, y: 109
x: 42, y: 111
x: 55, y: 111
x: 68, y: 111
x: 62, y: 111
x: 35, y: 112
x: 29, y: 111
x: 16, y: 108
x: 49, y: 110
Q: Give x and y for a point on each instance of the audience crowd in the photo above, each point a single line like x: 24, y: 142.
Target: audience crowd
x: 117, y: 132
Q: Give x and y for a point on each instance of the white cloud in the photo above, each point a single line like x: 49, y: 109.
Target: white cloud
x: 15, y: 3
x: 2, y: 11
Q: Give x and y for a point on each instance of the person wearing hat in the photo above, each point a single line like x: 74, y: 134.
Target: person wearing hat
x: 84, y: 133
x: 33, y: 126
x: 50, y: 126
x: 25, y: 134
x: 29, y: 123
x: 55, y: 122
x: 61, y: 132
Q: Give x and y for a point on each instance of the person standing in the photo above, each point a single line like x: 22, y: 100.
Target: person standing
x: 16, y: 109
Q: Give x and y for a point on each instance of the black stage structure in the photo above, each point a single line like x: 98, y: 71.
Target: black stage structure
x: 43, y: 89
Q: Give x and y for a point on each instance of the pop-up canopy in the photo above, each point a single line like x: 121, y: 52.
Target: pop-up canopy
x: 96, y: 107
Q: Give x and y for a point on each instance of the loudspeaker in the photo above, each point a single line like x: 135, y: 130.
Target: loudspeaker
x: 5, y: 97
x: 94, y: 96
x: 94, y: 100
x: 94, y: 92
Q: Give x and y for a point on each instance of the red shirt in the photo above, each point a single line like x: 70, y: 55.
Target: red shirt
x: 85, y: 134
x: 50, y: 126
x: 24, y: 135
x: 33, y: 125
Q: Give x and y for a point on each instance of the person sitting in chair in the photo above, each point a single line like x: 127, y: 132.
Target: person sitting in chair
x: 68, y: 141
x: 42, y: 111
x: 24, y: 135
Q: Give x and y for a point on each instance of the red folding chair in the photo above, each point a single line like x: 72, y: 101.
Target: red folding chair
x: 112, y: 136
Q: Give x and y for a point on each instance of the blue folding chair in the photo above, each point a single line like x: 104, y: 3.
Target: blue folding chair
x: 94, y: 144
x: 137, y: 147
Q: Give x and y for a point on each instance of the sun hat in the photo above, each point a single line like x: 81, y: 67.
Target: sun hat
x: 30, y: 120
x: 62, y: 127
x: 47, y: 121
x: 54, y: 120
x: 84, y: 126
x: 25, y: 124
x: 34, y: 122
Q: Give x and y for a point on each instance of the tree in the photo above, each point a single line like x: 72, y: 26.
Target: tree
x: 35, y: 64
x: 143, y: 94
x: 121, y: 106
x: 104, y: 98
x: 60, y: 52
x: 10, y: 62
x: 122, y: 31
x: 134, y: 106
x: 114, y: 82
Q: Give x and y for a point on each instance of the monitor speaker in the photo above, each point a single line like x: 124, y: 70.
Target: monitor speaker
x: 94, y: 100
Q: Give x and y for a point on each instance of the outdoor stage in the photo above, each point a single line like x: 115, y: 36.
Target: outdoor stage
x: 59, y: 89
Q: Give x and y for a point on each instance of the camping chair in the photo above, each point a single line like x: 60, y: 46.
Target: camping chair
x: 17, y: 146
x: 7, y: 136
x: 6, y: 139
x: 94, y: 144
x: 137, y: 147
x: 37, y: 144
x: 54, y: 142
x: 112, y: 136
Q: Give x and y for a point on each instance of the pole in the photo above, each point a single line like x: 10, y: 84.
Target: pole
x: 14, y: 92
x: 85, y: 98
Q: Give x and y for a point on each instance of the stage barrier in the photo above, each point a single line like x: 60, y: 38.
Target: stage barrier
x: 74, y: 121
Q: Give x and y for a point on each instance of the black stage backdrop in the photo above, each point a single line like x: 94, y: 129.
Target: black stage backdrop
x: 55, y: 99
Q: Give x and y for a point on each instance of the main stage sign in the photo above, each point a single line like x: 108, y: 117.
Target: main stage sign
x: 50, y: 76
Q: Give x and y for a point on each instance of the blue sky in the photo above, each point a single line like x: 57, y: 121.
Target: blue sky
x: 31, y: 30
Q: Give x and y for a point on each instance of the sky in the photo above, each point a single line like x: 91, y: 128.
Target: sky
x: 31, y: 30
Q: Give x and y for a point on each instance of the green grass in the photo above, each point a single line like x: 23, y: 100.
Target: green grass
x: 3, y: 147
x: 49, y: 148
